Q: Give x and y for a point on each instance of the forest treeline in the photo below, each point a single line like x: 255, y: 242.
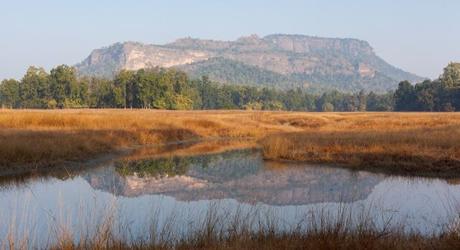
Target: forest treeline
x: 159, y: 88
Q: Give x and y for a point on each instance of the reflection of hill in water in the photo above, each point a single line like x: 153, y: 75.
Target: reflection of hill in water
x: 240, y: 175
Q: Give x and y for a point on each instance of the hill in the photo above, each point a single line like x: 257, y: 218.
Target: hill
x: 275, y: 60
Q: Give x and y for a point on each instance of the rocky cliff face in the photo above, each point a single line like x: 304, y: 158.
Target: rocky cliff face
x: 344, y: 64
x: 133, y: 56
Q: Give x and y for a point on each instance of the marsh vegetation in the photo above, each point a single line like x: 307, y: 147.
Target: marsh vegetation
x: 254, y: 230
x: 401, y: 143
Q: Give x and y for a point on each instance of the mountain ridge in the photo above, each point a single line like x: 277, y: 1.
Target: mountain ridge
x: 345, y: 64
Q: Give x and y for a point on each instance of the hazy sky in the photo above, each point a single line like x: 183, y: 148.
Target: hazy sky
x: 420, y: 36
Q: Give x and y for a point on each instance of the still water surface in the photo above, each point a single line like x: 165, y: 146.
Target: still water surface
x: 138, y: 190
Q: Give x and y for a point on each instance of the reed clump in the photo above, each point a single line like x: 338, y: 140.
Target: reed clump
x: 251, y: 230
x: 419, y: 151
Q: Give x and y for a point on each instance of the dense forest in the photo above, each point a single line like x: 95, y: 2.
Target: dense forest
x: 160, y: 88
x: 442, y: 94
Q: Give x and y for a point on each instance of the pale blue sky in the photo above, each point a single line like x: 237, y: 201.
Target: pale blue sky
x: 420, y: 36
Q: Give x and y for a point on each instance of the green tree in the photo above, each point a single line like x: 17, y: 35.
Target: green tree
x: 405, y: 97
x: 309, y: 102
x: 253, y: 106
x: 9, y: 94
x: 451, y: 75
x: 208, y: 93
x: 120, y: 87
x: 66, y: 90
x: 295, y: 100
x: 362, y: 99
x: 427, y: 95
x: 334, y: 98
x: 327, y: 107
x: 382, y: 102
x: 182, y: 102
x: 102, y: 94
x: 273, y: 105
x: 34, y: 88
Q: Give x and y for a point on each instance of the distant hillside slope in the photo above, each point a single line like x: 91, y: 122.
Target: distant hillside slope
x: 230, y: 71
x: 275, y: 60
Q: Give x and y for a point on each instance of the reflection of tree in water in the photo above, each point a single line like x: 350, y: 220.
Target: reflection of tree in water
x: 240, y: 175
x: 159, y: 168
x: 223, y: 166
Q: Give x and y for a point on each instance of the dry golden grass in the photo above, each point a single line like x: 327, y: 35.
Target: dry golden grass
x: 40, y: 138
x: 415, y: 144
x: 403, y: 142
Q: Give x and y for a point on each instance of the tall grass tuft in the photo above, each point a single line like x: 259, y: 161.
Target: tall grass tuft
x: 253, y: 229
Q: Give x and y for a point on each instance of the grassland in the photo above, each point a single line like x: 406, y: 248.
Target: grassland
x: 402, y: 143
x: 407, y: 144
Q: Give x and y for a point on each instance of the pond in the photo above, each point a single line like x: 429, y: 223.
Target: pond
x: 141, y: 189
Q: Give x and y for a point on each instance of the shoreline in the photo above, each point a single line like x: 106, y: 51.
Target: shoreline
x: 102, y: 158
x: 408, y: 144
